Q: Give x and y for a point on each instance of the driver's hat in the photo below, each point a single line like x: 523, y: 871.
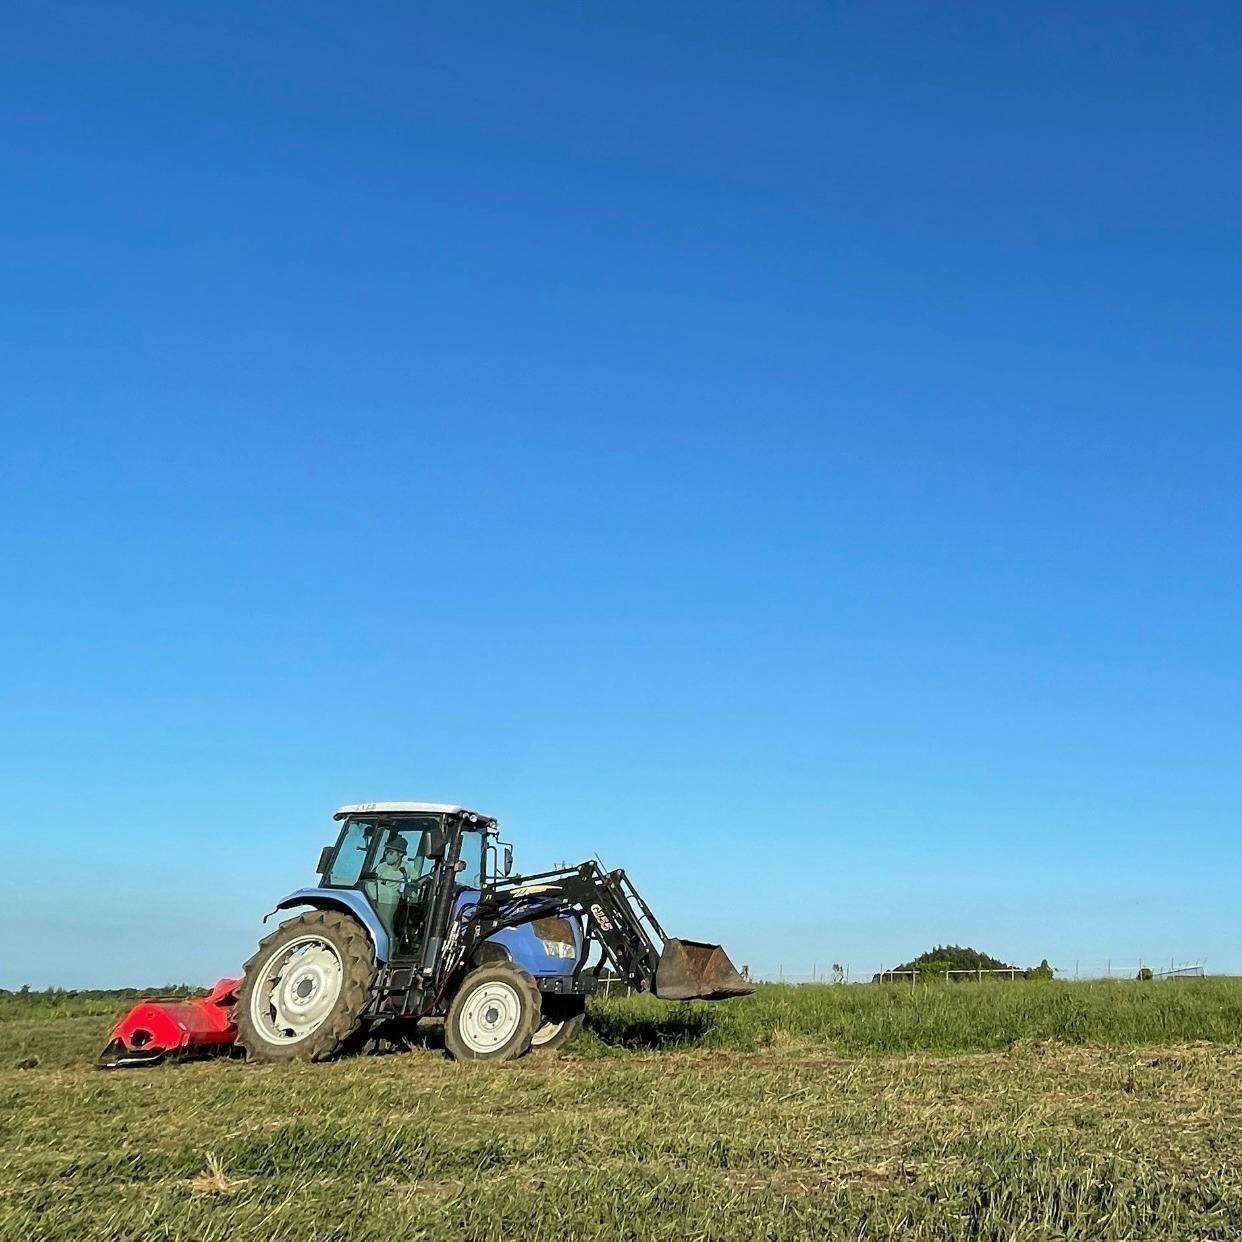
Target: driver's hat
x: 398, y: 843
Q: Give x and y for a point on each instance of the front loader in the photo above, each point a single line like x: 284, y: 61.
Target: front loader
x: 416, y: 915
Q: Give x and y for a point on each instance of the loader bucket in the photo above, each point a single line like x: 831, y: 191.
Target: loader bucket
x: 693, y: 970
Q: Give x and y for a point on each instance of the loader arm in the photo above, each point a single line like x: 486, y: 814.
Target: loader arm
x: 616, y: 917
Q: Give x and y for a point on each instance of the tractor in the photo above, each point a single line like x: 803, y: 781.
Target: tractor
x: 417, y: 914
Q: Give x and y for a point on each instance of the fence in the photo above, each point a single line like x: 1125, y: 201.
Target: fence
x: 1011, y: 973
x: 1081, y: 971
x: 836, y: 973
x: 1114, y: 970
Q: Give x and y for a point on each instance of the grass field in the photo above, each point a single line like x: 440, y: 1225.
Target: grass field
x: 971, y: 1111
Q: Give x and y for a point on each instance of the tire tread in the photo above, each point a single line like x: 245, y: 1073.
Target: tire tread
x: 338, y: 1031
x: 518, y: 1046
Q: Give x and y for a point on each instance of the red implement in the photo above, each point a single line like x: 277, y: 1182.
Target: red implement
x: 155, y: 1029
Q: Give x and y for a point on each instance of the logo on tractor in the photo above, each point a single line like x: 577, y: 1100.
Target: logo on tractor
x: 600, y: 917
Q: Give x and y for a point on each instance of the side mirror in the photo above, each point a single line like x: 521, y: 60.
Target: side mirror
x: 508, y: 859
x: 433, y: 843
x: 325, y: 859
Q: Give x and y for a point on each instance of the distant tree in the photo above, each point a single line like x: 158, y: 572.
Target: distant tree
x: 1145, y: 974
x: 838, y: 972
x: 935, y: 962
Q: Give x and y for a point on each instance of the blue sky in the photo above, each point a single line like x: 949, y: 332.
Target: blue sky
x: 790, y: 451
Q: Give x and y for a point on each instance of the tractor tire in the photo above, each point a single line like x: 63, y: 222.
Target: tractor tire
x: 563, y: 1017
x: 493, y: 1015
x: 305, y: 989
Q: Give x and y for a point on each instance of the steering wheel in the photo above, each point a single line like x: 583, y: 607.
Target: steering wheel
x: 416, y: 884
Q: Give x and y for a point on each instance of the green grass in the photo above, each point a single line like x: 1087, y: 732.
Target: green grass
x: 57, y: 1003
x: 964, y: 1112
x: 936, y: 1017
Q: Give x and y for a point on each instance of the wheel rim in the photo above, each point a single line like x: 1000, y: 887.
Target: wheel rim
x: 490, y: 1017
x: 296, y: 990
x: 549, y: 1030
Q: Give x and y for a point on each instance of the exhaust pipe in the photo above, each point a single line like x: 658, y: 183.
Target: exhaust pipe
x: 696, y: 970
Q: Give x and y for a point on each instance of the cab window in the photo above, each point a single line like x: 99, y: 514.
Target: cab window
x: 351, y: 853
x: 472, y: 855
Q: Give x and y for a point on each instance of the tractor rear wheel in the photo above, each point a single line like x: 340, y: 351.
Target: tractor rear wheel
x: 562, y: 1020
x: 305, y: 989
x: 494, y: 1014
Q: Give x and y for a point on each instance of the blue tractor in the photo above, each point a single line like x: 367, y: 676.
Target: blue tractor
x: 416, y: 915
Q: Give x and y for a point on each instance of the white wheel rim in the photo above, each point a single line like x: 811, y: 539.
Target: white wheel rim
x: 490, y: 1017
x: 549, y: 1030
x: 296, y: 990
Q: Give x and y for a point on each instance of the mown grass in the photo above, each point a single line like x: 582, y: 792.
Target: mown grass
x: 786, y: 1115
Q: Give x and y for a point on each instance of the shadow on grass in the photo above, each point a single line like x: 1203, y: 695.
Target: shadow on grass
x: 391, y: 1038
x: 678, y: 1027
x: 426, y: 1034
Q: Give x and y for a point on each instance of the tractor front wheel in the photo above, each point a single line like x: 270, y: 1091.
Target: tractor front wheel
x: 305, y: 989
x: 494, y: 1014
x: 562, y: 1020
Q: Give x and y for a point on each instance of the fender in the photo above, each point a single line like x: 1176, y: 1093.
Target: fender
x: 348, y: 901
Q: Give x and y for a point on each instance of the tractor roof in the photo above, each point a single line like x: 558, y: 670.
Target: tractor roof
x: 409, y: 808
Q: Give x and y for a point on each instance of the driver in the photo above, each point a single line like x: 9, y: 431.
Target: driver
x: 391, y: 874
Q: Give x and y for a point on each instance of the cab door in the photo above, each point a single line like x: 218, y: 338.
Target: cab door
x: 397, y: 881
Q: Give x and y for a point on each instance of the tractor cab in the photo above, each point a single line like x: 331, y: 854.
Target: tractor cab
x: 390, y: 852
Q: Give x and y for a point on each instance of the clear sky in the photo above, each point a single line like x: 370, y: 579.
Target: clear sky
x: 792, y: 451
